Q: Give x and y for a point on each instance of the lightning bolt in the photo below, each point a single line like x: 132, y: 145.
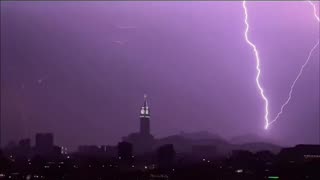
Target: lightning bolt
x: 314, y: 10
x: 266, y: 117
x: 301, y: 70
x: 256, y: 53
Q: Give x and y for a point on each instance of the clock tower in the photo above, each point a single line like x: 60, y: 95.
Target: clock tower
x: 143, y: 141
x: 145, y: 118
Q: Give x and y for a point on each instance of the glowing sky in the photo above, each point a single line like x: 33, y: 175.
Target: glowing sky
x: 80, y: 69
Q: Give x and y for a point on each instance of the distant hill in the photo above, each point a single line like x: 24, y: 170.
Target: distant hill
x: 253, y: 139
x: 259, y: 146
x: 183, y: 142
x: 200, y: 135
x: 180, y: 143
x: 248, y: 138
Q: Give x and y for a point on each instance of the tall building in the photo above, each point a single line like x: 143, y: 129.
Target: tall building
x: 166, y: 156
x: 45, y: 146
x: 145, y: 118
x: 24, y: 148
x: 44, y: 140
x: 143, y: 140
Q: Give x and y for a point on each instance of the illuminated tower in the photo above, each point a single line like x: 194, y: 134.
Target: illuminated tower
x: 143, y: 140
x: 145, y: 118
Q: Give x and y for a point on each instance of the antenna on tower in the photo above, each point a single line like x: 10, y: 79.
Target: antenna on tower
x: 145, y: 103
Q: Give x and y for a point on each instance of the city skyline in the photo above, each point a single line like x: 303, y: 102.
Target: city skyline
x: 80, y: 73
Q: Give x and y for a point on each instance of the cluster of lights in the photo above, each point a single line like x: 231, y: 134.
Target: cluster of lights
x: 205, y: 160
x: 312, y: 156
x: 64, y: 150
x: 27, y: 177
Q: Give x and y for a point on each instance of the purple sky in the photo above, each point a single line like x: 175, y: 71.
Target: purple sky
x: 80, y: 69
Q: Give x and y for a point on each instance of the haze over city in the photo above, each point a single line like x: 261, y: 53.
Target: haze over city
x: 80, y: 70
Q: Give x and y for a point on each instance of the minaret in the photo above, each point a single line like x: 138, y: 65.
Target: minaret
x: 145, y: 118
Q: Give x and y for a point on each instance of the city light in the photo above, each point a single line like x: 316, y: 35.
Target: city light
x: 273, y: 177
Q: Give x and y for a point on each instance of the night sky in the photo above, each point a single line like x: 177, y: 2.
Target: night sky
x: 80, y: 69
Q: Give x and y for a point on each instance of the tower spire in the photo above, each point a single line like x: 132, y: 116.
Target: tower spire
x: 145, y: 117
x: 145, y: 103
x: 145, y: 111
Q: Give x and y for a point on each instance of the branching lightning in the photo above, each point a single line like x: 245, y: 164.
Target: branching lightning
x: 256, y: 53
x: 266, y: 117
x: 294, y: 83
x: 302, y: 68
